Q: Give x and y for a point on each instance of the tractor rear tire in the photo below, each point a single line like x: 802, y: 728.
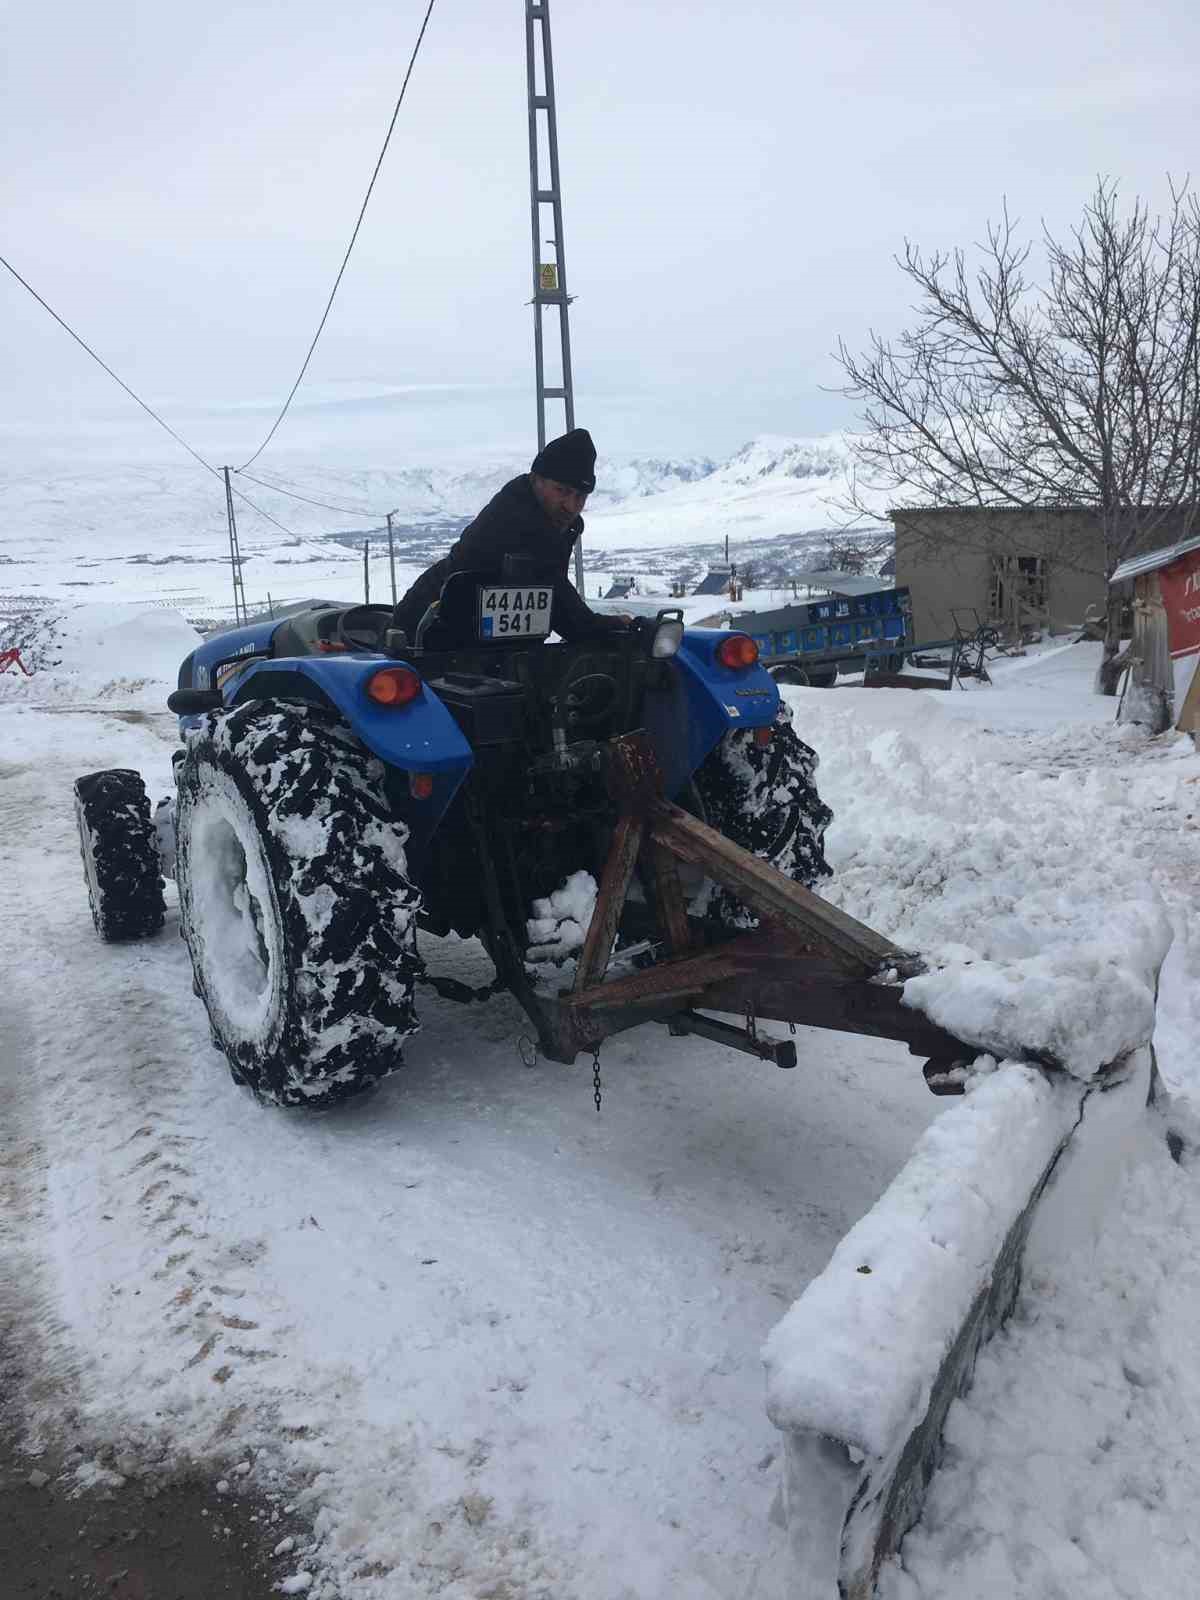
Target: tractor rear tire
x: 763, y: 798
x: 295, y: 904
x: 119, y: 846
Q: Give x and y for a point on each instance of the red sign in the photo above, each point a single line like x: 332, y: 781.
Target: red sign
x: 12, y: 658
x: 1179, y: 585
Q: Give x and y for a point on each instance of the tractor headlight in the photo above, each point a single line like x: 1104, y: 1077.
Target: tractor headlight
x: 668, y: 636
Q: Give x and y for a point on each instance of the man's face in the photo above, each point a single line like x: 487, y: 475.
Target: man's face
x: 561, y: 503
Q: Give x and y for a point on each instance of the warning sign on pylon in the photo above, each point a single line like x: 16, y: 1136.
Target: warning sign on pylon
x: 548, y: 278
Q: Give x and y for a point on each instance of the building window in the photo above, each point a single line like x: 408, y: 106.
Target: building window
x: 1019, y: 594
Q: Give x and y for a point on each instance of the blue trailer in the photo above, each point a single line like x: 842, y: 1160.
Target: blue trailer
x: 809, y: 641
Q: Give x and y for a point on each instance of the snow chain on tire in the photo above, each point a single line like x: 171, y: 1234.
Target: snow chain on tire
x: 764, y: 799
x: 119, y: 846
x: 296, y: 904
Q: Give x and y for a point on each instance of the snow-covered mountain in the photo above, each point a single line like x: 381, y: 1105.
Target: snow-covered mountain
x: 771, y: 487
x: 776, y: 456
x: 428, y: 494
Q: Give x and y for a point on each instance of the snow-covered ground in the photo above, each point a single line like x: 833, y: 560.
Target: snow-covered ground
x: 491, y: 1344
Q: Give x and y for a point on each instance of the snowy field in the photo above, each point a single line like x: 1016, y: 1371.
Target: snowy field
x: 493, y: 1345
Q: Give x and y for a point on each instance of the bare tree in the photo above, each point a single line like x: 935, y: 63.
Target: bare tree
x: 857, y: 555
x: 1082, y: 391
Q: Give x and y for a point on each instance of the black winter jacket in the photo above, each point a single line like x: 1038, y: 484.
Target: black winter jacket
x: 512, y: 523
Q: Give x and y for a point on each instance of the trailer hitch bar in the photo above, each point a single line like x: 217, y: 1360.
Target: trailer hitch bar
x: 780, y: 1051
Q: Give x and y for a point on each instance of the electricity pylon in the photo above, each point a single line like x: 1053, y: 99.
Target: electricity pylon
x: 549, y: 277
x: 240, y: 613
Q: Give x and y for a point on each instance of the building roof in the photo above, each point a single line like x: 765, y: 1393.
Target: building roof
x: 717, y: 581
x: 844, y: 582
x: 1154, y: 559
x: 992, y: 511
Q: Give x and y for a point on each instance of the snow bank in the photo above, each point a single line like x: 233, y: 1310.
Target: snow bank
x: 862, y: 1370
x: 98, y: 652
x: 1017, y: 885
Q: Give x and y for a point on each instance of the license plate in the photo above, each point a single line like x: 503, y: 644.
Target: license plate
x: 515, y: 613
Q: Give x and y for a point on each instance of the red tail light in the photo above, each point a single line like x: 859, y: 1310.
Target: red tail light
x: 393, y: 686
x: 738, y: 651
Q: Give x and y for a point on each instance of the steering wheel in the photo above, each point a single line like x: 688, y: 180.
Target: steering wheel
x: 362, y: 627
x: 589, y: 698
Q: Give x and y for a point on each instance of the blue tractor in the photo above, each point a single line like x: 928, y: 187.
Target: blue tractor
x: 342, y: 788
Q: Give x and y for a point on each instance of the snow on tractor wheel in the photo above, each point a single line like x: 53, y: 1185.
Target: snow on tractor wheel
x: 119, y: 846
x: 296, y: 904
x: 763, y: 798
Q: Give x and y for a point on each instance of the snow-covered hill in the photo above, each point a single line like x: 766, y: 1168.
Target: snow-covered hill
x: 774, y: 488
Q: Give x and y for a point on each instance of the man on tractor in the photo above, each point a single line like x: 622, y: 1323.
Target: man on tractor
x: 536, y: 516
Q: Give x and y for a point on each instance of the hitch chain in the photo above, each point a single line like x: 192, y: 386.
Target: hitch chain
x: 596, y: 1077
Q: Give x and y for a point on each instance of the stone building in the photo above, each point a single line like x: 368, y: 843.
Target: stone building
x: 1011, y: 567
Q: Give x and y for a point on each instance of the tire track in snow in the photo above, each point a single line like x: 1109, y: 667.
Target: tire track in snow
x: 121, y: 1145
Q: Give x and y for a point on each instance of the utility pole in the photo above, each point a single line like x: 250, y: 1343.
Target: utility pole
x: 392, y: 556
x: 366, y: 572
x: 549, y: 277
x: 235, y: 557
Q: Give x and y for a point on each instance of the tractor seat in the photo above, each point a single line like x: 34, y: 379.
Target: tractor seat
x: 315, y: 632
x: 302, y: 633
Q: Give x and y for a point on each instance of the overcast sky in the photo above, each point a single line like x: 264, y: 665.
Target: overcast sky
x: 180, y: 183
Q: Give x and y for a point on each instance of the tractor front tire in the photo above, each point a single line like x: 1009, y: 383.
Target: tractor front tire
x: 295, y: 904
x: 764, y: 798
x: 119, y: 846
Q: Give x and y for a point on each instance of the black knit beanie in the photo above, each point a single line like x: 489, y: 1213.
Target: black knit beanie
x: 570, y: 460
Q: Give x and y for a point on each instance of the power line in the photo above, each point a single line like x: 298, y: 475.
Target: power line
x: 350, y: 511
x: 148, y: 409
x: 265, y: 514
x: 152, y: 413
x: 346, y: 258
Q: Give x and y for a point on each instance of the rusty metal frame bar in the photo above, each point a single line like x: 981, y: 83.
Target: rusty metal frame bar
x: 808, y: 963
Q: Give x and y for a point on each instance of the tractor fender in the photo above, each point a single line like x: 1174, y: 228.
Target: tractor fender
x: 701, y: 702
x: 420, y: 737
x: 211, y: 662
